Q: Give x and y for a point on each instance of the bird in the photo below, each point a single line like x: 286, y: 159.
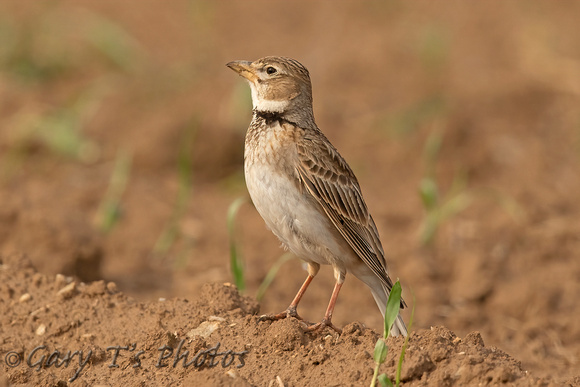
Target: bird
x: 304, y: 190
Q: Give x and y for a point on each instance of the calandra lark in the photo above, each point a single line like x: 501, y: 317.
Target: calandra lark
x: 303, y: 188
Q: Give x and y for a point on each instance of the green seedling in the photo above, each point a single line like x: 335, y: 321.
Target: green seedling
x: 405, y: 344
x: 381, y: 348
x: 22, y: 55
x: 412, y: 118
x: 61, y: 131
x: 272, y: 274
x: 42, y: 48
x: 236, y: 260
x: 184, y: 165
x: 109, y: 211
x: 238, y: 105
x: 439, y: 208
x: 433, y: 47
x: 113, y: 43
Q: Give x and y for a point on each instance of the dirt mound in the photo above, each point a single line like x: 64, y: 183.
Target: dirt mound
x: 56, y: 331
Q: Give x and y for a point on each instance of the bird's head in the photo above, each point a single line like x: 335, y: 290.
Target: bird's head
x: 279, y: 85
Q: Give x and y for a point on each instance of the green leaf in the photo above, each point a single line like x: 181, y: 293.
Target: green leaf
x: 271, y: 274
x: 432, y: 148
x: 393, y: 306
x: 110, y: 209
x: 381, y: 350
x: 236, y: 260
x: 429, y: 193
x: 385, y: 381
x: 405, y: 344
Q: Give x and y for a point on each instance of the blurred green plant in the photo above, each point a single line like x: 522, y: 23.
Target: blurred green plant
x: 53, y: 44
x: 21, y: 52
x: 113, y: 43
x: 405, y: 345
x: 381, y: 347
x: 236, y: 260
x: 171, y: 231
x: 202, y: 14
x: 234, y: 183
x: 272, y: 274
x: 439, y: 208
x: 412, y: 118
x: 433, y: 47
x: 109, y: 211
x: 239, y: 107
x: 61, y: 130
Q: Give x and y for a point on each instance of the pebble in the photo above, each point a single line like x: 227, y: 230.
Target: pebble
x: 41, y: 330
x: 60, y: 281
x: 68, y: 291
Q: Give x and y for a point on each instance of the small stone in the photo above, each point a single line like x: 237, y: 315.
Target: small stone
x: 68, y: 291
x: 60, y: 281
x: 216, y: 318
x: 41, y: 330
x: 205, y: 329
x: 34, y: 313
x: 25, y: 297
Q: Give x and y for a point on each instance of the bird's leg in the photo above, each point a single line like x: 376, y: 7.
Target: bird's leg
x: 291, y: 310
x: 327, y: 320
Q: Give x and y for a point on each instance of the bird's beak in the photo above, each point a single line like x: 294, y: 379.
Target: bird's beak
x: 243, y: 68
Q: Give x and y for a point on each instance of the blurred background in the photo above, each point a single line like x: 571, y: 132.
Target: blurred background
x: 121, y: 148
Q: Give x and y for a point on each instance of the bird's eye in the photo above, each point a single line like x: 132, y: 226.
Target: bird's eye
x: 271, y: 70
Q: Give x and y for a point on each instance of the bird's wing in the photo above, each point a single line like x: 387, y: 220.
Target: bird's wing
x: 327, y: 177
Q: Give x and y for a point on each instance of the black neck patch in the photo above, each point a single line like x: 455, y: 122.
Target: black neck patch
x: 269, y: 117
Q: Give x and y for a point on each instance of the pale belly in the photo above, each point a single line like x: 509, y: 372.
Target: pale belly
x: 293, y: 216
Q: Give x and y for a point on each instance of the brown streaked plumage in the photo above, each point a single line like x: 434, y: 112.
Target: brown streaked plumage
x: 304, y: 190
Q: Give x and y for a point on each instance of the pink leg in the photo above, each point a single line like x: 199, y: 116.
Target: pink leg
x: 327, y: 320
x: 291, y: 311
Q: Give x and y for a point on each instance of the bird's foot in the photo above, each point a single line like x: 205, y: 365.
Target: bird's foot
x: 319, y: 327
x: 290, y: 312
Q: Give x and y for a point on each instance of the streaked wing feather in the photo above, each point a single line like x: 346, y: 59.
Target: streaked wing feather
x: 328, y: 178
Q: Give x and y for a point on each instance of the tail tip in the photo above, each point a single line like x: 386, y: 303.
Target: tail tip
x: 399, y: 327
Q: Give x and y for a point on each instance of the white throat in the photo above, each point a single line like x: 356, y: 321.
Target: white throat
x: 266, y: 105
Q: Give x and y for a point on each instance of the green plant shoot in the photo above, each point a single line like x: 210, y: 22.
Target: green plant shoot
x: 236, y: 261
x: 381, y: 348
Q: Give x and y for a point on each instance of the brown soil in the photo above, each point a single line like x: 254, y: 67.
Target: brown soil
x: 498, y: 82
x: 59, y: 331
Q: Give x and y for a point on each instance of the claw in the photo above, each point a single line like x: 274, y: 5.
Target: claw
x: 290, y: 312
x: 321, y: 325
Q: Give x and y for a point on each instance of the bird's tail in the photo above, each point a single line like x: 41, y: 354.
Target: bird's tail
x: 381, y: 295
